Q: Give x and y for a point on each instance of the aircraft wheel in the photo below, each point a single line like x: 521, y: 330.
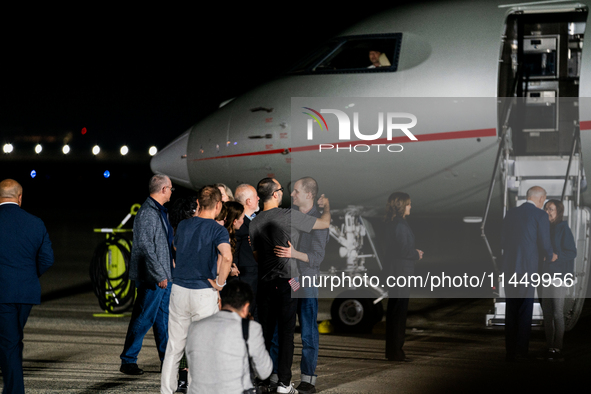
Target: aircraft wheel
x: 351, y: 314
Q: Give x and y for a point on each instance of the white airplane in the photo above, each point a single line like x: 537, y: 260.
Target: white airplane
x: 499, y: 93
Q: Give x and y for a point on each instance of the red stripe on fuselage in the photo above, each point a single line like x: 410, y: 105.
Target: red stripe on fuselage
x: 451, y: 135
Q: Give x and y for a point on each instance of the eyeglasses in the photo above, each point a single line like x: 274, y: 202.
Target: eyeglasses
x: 171, y: 188
x: 279, y: 190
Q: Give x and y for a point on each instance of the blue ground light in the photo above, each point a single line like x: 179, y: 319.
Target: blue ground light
x: 106, y: 174
x: 33, y: 174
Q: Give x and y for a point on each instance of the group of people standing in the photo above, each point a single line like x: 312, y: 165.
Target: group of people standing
x: 209, y: 246
x: 533, y: 242
x: 214, y: 248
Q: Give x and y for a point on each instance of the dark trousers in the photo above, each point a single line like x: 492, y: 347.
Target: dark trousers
x: 149, y: 311
x: 519, y: 307
x: 395, y: 328
x: 277, y: 307
x: 13, y: 318
x: 250, y: 275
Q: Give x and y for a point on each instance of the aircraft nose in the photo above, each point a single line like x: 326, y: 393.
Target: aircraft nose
x: 172, y: 161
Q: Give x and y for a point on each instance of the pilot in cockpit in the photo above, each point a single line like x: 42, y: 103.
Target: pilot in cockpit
x: 378, y: 59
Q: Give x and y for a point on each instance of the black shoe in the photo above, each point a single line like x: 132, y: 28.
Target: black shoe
x: 264, y: 386
x: 131, y: 369
x: 182, y: 387
x: 554, y: 355
x: 306, y: 388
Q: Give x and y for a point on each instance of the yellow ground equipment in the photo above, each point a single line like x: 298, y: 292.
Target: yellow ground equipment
x: 109, y: 269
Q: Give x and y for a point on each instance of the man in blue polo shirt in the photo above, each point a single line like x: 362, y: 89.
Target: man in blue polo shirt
x: 197, y: 278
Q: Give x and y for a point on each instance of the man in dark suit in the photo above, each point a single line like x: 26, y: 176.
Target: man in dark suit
x: 25, y: 254
x: 525, y: 238
x: 249, y: 270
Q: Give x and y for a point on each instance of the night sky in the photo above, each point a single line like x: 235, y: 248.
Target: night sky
x: 137, y: 77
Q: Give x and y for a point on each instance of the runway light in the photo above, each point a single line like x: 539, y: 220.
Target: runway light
x: 33, y: 174
x: 124, y: 150
x: 38, y: 148
x: 7, y: 148
x: 83, y: 131
x: 153, y: 150
x: 96, y: 150
x: 66, y: 149
x: 106, y: 174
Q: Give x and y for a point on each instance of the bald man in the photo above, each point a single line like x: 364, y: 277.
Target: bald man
x: 249, y: 269
x: 25, y: 254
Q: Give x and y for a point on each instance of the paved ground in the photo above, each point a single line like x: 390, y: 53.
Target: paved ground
x: 67, y: 350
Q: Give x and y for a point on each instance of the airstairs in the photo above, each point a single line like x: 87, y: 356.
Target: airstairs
x: 563, y: 178
x: 538, y: 123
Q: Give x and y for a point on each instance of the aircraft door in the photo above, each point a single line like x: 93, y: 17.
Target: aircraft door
x: 540, y: 65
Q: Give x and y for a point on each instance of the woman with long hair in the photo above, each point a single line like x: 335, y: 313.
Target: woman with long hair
x: 233, y: 220
x: 401, y: 256
x: 553, y: 295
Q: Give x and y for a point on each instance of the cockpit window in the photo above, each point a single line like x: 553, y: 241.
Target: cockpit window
x: 354, y: 54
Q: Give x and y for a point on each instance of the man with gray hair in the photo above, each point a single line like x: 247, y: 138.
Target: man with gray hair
x: 151, y: 268
x: 249, y: 269
x: 526, y: 231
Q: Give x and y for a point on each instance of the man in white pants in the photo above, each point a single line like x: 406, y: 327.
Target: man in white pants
x: 194, y: 293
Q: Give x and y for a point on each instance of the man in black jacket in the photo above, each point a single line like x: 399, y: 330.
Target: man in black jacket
x: 247, y: 196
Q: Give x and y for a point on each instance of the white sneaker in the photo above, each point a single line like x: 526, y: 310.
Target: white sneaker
x: 283, y: 389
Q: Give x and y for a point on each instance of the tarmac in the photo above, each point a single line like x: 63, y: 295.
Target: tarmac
x: 67, y: 350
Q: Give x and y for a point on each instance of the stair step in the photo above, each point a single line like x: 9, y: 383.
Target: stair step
x: 529, y: 166
x: 553, y: 187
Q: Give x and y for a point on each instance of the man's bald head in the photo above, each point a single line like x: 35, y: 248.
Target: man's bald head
x: 11, y: 191
x: 247, y: 196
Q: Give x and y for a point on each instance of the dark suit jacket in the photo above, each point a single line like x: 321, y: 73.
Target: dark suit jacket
x: 565, y: 247
x: 401, y: 253
x: 244, y: 259
x: 525, y: 238
x: 25, y: 254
